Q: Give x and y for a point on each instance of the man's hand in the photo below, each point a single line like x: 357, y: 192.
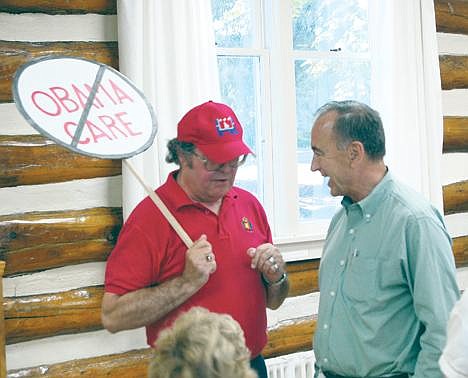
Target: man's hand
x: 200, y: 262
x: 267, y: 259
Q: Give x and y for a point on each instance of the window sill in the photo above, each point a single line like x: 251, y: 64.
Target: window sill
x: 300, y: 248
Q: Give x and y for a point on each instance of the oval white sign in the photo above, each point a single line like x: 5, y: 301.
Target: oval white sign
x: 85, y: 106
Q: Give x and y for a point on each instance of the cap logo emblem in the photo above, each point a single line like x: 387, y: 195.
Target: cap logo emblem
x: 226, y: 125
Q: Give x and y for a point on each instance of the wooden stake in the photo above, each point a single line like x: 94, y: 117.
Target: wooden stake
x: 162, y: 207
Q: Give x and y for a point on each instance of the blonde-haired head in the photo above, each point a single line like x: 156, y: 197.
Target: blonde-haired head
x: 201, y: 344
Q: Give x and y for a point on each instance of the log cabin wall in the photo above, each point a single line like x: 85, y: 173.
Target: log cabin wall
x: 452, y: 33
x: 60, y: 213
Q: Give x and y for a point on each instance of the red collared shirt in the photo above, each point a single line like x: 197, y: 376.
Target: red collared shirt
x: 149, y: 252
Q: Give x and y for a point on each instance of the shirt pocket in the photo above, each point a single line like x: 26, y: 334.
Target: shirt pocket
x: 360, y: 279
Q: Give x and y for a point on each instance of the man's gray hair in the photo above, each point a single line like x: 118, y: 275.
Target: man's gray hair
x: 356, y: 121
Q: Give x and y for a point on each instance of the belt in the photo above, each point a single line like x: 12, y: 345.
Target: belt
x: 332, y: 375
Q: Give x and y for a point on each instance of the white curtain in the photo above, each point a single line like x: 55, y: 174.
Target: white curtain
x: 167, y: 49
x: 407, y: 90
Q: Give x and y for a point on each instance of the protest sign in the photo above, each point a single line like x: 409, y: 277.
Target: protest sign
x: 85, y: 106
x: 89, y: 108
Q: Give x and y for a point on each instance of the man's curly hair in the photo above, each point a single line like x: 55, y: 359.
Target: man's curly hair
x: 174, y: 147
x: 201, y: 344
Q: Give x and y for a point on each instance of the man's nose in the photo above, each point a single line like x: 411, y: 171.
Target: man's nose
x: 313, y: 164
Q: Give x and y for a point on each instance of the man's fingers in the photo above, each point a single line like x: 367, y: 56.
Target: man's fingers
x: 252, y: 253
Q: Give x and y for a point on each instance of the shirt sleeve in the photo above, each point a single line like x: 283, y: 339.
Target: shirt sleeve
x: 434, y: 286
x: 131, y: 265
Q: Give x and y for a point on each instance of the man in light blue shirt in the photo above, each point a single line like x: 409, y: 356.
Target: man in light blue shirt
x: 387, y: 274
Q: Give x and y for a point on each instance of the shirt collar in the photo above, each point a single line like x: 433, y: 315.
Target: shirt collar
x: 373, y: 200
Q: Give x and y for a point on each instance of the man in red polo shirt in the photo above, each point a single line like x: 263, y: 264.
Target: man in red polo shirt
x: 232, y: 266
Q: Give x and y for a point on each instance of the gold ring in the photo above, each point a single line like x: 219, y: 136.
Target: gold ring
x: 209, y: 258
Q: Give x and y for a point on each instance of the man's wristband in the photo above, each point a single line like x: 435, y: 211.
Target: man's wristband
x: 283, y: 278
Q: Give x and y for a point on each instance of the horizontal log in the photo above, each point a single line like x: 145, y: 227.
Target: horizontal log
x: 38, y: 316
x: 456, y: 197
x: 455, y: 134
x: 451, y: 16
x: 59, y: 6
x: 13, y: 54
x: 292, y: 336
x: 303, y: 277
x: 33, y: 159
x: 133, y: 364
x: 460, y: 251
x: 454, y: 71
x: 43, y: 240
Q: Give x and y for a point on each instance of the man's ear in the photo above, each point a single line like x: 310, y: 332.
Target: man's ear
x: 356, y: 151
x: 184, y: 159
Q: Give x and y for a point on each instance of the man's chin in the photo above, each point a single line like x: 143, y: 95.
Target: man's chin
x: 334, y: 192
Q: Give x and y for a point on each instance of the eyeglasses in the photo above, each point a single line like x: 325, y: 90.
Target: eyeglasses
x: 211, y: 166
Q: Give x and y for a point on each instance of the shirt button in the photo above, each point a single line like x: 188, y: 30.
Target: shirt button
x: 342, y: 262
x: 368, y: 217
x: 332, y: 293
x: 325, y: 360
x: 325, y: 326
x: 351, y: 231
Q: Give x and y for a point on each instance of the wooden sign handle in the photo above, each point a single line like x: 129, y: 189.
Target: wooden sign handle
x: 3, y: 369
x: 162, y: 207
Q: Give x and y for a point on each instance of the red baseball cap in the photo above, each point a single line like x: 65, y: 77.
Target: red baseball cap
x: 215, y: 130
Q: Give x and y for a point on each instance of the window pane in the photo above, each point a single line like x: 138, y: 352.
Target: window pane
x: 239, y: 89
x: 232, y: 20
x: 319, y: 81
x: 324, y: 25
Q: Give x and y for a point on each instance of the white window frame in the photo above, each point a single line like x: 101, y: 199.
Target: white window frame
x: 402, y: 41
x: 300, y: 239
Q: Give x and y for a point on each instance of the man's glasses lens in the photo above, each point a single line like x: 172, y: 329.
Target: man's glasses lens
x: 212, y: 166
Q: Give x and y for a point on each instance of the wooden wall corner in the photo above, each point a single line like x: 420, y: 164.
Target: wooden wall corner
x: 3, y: 369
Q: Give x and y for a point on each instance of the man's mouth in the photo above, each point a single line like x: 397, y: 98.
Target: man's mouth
x: 220, y: 179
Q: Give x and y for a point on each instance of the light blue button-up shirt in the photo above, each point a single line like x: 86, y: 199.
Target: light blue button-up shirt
x: 387, y: 284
